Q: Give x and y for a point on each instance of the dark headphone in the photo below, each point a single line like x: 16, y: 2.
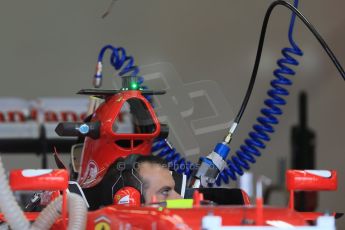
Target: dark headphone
x: 122, y: 184
x: 128, y: 186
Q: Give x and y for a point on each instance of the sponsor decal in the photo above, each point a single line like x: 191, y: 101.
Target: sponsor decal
x: 102, y: 223
x: 91, y: 172
x: 102, y: 226
x: 35, y: 172
x: 14, y: 110
x: 117, y: 198
x: 124, y: 200
x: 21, y: 118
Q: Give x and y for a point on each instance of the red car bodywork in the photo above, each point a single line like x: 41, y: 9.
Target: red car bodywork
x: 100, y: 153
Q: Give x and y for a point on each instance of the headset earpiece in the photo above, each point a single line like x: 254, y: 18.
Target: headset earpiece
x: 128, y: 188
x: 127, y: 195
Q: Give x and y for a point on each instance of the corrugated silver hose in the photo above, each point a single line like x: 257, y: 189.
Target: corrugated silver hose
x: 17, y: 221
x: 9, y: 206
x: 77, y: 213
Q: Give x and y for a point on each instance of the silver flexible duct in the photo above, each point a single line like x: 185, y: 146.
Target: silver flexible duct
x: 77, y: 213
x: 9, y: 206
x: 17, y: 221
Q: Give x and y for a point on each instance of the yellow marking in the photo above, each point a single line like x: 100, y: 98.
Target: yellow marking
x: 117, y: 198
x: 119, y: 99
x: 102, y: 226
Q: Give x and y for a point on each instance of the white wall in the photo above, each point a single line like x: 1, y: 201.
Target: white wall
x: 49, y: 48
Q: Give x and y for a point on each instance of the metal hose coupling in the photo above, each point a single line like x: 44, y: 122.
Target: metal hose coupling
x: 212, y: 165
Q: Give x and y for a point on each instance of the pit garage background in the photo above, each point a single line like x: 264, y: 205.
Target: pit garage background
x: 49, y: 49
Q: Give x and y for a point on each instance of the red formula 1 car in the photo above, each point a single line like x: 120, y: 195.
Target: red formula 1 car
x: 126, y: 123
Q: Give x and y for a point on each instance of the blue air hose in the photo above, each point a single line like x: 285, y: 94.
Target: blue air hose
x: 260, y: 134
x: 245, y: 154
x: 125, y: 64
x: 261, y: 130
x: 122, y: 63
x: 163, y: 149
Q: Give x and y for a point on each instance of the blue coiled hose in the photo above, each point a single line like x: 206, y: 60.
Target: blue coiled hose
x: 163, y: 149
x: 121, y: 62
x: 264, y: 127
x: 261, y: 130
x: 256, y: 139
x: 125, y: 64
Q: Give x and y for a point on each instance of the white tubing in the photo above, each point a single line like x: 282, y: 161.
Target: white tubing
x: 8, y: 205
x: 17, y: 221
x: 246, y: 183
x: 49, y: 215
x: 4, y: 226
x: 77, y: 213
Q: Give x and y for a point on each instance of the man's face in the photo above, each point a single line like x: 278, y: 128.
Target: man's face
x: 158, y: 182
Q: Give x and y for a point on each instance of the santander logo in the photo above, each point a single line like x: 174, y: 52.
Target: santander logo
x: 18, y: 116
x: 17, y: 110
